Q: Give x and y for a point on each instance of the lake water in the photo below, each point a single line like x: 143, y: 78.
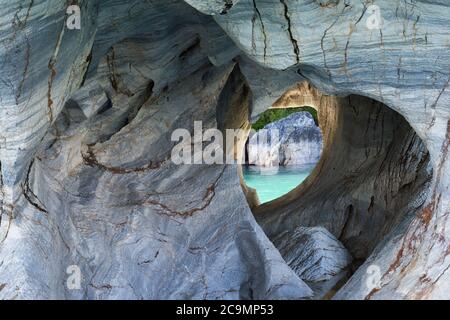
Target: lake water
x: 272, y: 186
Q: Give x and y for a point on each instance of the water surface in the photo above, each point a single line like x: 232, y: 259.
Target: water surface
x: 270, y: 186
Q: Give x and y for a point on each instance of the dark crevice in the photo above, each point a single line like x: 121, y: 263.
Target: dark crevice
x: 29, y: 194
x: 263, y: 28
x: 227, y: 7
x: 190, y: 48
x: 291, y: 36
x: 105, y: 107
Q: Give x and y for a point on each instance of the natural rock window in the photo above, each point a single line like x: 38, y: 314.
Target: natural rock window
x: 374, y: 172
x: 283, y: 152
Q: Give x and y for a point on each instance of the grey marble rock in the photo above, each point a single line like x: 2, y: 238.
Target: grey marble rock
x: 316, y: 256
x: 86, y: 118
x: 314, y: 253
x: 120, y: 211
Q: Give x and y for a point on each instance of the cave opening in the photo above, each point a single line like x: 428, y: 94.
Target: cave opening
x: 373, y: 174
x: 282, y: 149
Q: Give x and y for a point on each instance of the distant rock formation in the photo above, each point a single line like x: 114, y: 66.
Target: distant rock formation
x: 294, y: 140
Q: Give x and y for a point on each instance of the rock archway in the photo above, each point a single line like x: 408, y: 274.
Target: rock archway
x: 374, y: 176
x: 374, y: 170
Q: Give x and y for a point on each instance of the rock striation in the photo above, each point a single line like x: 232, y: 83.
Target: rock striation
x: 316, y: 256
x: 86, y: 118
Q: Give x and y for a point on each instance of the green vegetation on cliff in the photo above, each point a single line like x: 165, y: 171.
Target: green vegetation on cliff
x: 271, y: 115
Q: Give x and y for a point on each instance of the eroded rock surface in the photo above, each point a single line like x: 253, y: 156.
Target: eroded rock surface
x: 314, y: 253
x: 85, y: 123
x: 316, y: 256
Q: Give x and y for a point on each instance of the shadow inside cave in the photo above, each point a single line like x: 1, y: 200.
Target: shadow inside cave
x: 374, y: 172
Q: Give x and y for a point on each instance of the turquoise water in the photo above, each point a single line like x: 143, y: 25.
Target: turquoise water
x: 272, y: 186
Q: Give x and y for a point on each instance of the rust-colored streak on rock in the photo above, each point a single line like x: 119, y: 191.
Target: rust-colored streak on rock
x: 370, y: 295
x: 427, y: 213
x: 51, y: 67
x: 91, y: 160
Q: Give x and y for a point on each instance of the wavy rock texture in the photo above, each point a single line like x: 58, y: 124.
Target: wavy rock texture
x: 310, y: 263
x: 374, y: 170
x: 316, y: 256
x: 85, y: 123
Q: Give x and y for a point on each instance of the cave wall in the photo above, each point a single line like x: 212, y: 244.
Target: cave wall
x: 102, y: 194
x: 85, y: 117
x: 373, y: 172
x: 330, y: 45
